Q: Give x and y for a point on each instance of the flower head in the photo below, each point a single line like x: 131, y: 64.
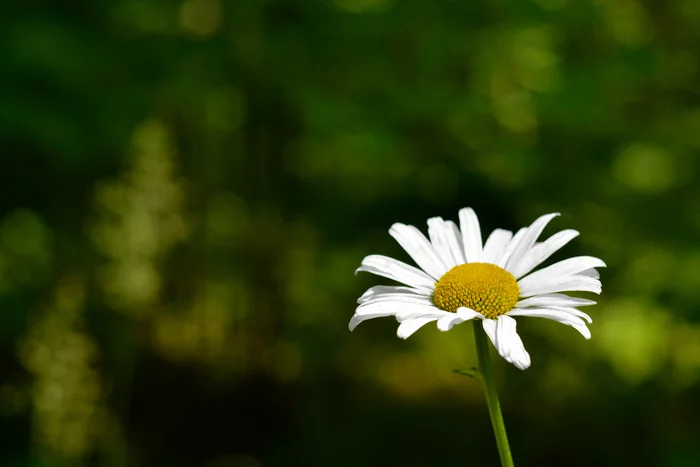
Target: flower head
x: 461, y: 279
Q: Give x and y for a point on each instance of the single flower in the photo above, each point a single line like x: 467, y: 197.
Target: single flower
x: 463, y: 279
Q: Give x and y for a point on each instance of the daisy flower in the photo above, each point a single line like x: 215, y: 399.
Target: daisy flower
x: 462, y: 279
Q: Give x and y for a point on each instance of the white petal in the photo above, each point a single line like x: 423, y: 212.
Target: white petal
x: 398, y: 308
x: 442, y: 238
x: 454, y: 238
x: 467, y: 313
x: 410, y: 326
x: 554, y: 299
x: 559, y: 316
x: 357, y: 319
x: 396, y: 270
x: 508, y: 250
x: 398, y: 298
x: 377, y: 290
x: 540, y: 252
x: 471, y: 235
x: 560, y: 284
x: 447, y: 322
x: 419, y: 248
x: 568, y: 267
x: 507, y: 341
x: 528, y: 240
x: 411, y: 313
x: 390, y: 308
x: 509, y: 344
x: 495, y: 246
x: 502, y: 333
x: 463, y: 314
x: 590, y: 273
x: 490, y: 329
x: 573, y: 311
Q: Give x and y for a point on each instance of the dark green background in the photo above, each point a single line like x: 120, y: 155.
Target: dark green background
x: 187, y: 187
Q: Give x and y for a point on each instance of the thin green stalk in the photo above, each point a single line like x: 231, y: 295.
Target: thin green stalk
x: 499, y: 429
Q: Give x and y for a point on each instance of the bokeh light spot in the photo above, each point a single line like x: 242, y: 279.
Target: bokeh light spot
x: 646, y: 167
x: 201, y: 17
x: 632, y: 336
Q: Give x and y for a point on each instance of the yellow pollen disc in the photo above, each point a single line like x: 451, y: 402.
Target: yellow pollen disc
x: 482, y: 287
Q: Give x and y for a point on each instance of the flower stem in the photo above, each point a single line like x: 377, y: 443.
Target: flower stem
x: 499, y: 429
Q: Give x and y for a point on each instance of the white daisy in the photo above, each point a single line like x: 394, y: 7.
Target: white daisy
x: 462, y: 279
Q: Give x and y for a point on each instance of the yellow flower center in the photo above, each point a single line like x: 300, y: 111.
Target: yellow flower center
x: 482, y: 287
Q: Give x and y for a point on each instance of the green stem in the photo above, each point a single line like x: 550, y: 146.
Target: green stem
x: 499, y: 429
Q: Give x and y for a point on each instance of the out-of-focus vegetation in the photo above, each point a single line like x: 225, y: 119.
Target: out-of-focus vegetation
x: 186, y: 188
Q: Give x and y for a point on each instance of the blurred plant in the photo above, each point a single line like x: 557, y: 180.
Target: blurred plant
x: 202, y: 331
x: 140, y: 220
x: 70, y: 418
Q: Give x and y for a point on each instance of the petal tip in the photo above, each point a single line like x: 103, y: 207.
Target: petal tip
x: 394, y: 226
x: 522, y: 365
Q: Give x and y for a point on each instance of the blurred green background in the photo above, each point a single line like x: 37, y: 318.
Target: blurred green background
x: 187, y: 187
